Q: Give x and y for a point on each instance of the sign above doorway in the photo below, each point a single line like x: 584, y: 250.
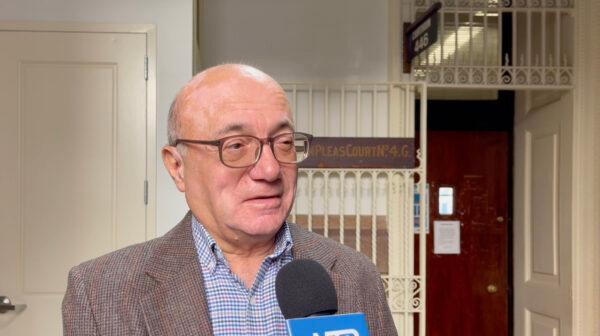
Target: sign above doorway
x: 347, y: 152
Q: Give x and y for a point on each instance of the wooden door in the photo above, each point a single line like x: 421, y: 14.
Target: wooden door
x: 467, y: 293
x: 73, y: 153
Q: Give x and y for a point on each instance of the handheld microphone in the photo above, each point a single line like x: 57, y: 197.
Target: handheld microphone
x: 308, y: 301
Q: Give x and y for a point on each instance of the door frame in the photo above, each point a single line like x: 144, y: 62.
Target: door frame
x: 149, y: 30
x: 586, y: 172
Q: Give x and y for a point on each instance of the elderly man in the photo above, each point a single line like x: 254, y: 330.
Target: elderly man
x: 233, y: 151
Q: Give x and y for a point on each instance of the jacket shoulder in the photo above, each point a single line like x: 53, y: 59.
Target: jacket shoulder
x: 124, y: 270
x: 345, y: 260
x: 117, y: 264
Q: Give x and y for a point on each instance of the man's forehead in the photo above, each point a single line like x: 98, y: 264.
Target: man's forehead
x: 230, y: 85
x: 227, y: 94
x: 229, y: 79
x: 243, y: 103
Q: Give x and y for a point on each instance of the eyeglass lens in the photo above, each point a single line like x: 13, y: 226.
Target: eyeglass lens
x: 241, y: 151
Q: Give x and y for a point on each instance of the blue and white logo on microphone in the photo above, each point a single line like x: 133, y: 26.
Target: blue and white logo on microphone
x: 333, y: 325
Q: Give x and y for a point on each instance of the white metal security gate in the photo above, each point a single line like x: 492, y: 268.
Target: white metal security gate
x: 469, y: 51
x: 370, y: 210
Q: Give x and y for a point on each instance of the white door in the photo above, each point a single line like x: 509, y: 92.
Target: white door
x: 542, y: 220
x: 73, y: 163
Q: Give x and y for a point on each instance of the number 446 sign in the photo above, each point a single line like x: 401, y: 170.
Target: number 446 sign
x: 422, y: 33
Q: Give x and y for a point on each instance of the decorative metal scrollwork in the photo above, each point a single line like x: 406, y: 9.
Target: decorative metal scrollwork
x: 522, y: 3
x: 474, y: 66
x: 449, y: 3
x: 448, y: 76
x: 477, y: 76
x: 521, y: 77
x: 536, y: 77
x: 550, y: 77
x: 403, y: 293
x: 565, y: 77
x: 479, y: 3
x: 463, y: 76
x: 492, y: 76
x: 506, y: 77
x: 419, y: 157
x: 434, y: 76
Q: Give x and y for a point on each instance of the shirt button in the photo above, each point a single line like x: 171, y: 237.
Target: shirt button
x: 252, y: 300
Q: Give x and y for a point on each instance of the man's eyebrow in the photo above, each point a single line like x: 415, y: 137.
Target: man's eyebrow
x: 231, y: 128
x: 241, y: 128
x: 284, y: 124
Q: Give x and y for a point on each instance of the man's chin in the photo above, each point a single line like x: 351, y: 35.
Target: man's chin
x: 264, y: 226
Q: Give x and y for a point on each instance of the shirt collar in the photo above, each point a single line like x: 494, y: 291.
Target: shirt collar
x: 209, y: 253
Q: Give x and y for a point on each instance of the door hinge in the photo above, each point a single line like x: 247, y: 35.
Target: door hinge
x: 146, y: 67
x: 146, y: 192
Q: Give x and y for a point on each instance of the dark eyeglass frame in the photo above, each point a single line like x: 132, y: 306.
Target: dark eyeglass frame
x: 263, y: 141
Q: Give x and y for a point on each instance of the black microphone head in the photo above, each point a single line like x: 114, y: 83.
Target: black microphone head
x: 304, y: 288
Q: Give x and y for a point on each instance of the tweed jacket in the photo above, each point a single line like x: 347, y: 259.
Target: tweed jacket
x: 156, y: 288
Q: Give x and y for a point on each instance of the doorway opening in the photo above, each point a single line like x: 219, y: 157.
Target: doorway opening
x: 469, y: 240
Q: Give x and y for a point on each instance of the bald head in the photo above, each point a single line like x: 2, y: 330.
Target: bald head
x: 206, y: 90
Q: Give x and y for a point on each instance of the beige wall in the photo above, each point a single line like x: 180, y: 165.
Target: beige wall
x: 304, y: 40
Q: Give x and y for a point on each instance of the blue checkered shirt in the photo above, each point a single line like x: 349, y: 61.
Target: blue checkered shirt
x: 233, y: 308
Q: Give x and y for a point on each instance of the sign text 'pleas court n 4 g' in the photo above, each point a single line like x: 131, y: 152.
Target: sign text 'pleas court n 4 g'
x: 345, y: 152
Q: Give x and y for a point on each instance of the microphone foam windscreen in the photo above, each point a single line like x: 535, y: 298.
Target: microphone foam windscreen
x: 304, y: 288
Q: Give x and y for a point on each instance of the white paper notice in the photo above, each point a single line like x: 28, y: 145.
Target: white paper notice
x: 446, y: 237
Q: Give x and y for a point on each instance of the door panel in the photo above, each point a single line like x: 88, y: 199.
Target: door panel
x: 73, y: 143
x: 467, y: 293
x: 542, y: 234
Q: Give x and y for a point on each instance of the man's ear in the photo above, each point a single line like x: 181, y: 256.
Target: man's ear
x: 174, y: 164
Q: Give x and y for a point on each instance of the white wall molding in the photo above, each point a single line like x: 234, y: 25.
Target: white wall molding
x: 586, y: 171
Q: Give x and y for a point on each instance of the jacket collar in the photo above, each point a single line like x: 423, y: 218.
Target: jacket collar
x: 177, y: 304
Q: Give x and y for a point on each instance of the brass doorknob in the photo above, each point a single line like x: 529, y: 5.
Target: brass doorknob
x: 492, y: 289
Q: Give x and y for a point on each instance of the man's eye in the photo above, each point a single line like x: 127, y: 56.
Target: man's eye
x: 234, y: 146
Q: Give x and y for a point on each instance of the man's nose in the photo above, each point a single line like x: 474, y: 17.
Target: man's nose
x: 267, y: 168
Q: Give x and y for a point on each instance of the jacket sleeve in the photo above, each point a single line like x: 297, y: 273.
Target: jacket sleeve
x: 78, y: 318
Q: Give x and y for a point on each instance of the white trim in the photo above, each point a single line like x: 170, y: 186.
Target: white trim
x: 586, y: 171
x: 74, y: 27
x: 150, y: 31
x: 151, y: 112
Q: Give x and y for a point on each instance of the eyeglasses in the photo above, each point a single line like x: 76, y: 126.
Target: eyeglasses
x: 239, y: 151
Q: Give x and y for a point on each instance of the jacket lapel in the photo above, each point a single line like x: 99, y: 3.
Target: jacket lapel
x: 306, y: 246
x: 177, y: 304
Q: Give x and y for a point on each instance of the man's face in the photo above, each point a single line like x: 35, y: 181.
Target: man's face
x: 238, y: 203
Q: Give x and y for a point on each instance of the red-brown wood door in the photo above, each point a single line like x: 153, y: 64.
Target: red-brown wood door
x: 467, y: 293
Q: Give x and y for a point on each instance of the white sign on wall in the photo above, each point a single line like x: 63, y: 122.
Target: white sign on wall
x: 446, y: 237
